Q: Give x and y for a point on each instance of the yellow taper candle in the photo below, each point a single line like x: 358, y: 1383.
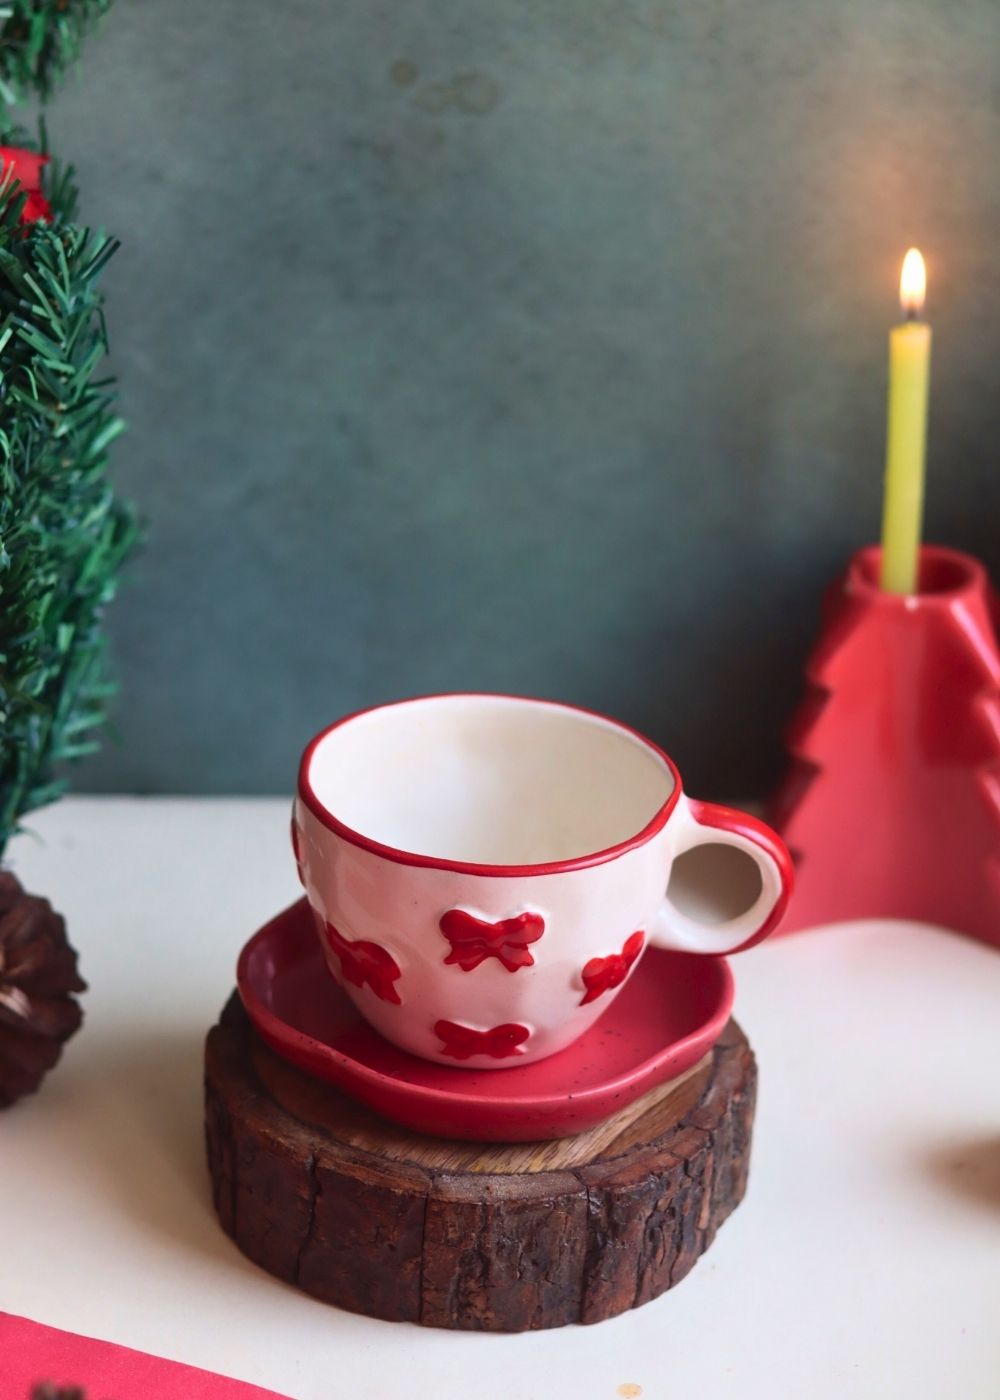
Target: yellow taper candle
x: 906, y: 439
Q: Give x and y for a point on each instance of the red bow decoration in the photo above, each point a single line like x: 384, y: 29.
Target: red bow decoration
x: 26, y: 167
x: 366, y: 964
x: 600, y: 975
x: 461, y: 1042
x: 474, y: 940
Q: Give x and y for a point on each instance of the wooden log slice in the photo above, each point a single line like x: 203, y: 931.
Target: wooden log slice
x: 378, y: 1219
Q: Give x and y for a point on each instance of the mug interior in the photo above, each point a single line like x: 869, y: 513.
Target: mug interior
x: 488, y: 779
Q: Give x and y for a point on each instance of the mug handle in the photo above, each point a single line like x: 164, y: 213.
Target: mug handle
x: 708, y: 824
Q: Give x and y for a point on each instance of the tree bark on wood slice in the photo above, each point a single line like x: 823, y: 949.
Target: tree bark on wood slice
x: 380, y: 1220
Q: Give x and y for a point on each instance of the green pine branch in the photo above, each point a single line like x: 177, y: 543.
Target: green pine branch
x: 39, y: 39
x: 63, y: 533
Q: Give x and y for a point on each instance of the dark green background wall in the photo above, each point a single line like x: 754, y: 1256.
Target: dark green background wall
x: 521, y: 344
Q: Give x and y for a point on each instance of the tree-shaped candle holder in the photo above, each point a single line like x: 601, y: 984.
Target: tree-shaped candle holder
x: 891, y: 804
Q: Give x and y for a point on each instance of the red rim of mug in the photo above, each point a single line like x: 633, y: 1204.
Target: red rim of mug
x: 463, y: 867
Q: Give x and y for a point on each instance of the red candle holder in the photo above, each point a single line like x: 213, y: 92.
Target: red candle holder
x: 891, y: 804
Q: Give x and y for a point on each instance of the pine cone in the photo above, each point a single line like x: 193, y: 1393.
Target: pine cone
x: 37, y: 974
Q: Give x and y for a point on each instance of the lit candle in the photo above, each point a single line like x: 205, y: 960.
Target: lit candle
x: 906, y: 439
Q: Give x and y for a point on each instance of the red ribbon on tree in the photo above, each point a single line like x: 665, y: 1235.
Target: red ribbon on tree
x: 26, y: 167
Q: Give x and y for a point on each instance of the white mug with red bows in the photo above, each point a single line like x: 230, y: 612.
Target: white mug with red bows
x: 486, y: 871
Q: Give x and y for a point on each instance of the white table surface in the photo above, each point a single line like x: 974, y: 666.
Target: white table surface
x: 864, y: 1262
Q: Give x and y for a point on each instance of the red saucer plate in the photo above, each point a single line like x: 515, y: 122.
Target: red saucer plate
x: 668, y: 1016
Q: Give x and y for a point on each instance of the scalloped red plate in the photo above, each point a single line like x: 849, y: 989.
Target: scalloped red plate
x: 668, y: 1016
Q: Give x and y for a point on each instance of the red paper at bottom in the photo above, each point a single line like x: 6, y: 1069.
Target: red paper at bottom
x: 31, y: 1353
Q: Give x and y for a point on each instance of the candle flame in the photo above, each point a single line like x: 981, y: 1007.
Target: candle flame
x: 913, y: 283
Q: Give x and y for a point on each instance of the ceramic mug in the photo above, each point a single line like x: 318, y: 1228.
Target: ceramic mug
x: 485, y: 871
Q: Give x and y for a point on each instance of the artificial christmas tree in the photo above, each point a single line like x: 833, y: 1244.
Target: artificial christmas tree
x: 38, y: 41
x: 891, y: 806
x: 63, y: 533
